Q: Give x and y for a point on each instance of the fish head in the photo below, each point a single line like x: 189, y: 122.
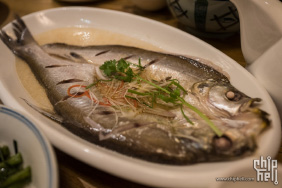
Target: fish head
x: 222, y: 97
x: 235, y: 114
x: 241, y: 132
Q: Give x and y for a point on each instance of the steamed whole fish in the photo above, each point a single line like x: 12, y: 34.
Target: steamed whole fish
x: 172, y: 110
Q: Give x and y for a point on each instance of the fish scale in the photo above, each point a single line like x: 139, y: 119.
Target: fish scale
x: 159, y: 138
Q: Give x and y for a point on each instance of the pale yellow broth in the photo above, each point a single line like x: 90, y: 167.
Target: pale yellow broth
x: 74, y: 36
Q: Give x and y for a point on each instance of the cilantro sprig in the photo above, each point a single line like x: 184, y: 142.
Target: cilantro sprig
x: 118, y: 69
x: 173, y: 92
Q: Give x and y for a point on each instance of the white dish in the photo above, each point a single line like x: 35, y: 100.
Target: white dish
x: 32, y: 144
x: 158, y: 34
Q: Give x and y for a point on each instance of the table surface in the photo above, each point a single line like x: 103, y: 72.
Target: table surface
x: 76, y: 174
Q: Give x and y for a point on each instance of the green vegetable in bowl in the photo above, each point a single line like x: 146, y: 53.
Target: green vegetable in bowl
x: 12, y: 172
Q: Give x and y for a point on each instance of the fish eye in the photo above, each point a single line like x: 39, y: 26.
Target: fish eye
x: 233, y: 95
x: 202, y: 85
x: 222, y: 143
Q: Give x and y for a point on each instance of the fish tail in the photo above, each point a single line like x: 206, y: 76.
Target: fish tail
x: 22, y: 33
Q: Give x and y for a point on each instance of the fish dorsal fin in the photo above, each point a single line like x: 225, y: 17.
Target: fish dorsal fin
x: 64, y: 52
x: 72, y: 56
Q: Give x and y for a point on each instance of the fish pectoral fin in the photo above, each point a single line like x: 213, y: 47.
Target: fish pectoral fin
x: 45, y: 112
x: 103, y: 135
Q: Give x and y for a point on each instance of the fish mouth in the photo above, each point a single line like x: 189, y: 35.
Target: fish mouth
x: 248, y: 104
x: 250, y: 107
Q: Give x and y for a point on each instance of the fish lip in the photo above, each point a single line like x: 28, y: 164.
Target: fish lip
x: 264, y: 116
x: 248, y: 104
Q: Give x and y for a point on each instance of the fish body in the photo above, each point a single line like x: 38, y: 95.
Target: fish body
x: 159, y: 134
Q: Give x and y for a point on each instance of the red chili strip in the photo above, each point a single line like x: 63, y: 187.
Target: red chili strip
x: 85, y: 93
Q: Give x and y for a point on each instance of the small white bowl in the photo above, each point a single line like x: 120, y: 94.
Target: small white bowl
x: 32, y: 144
x: 210, y: 18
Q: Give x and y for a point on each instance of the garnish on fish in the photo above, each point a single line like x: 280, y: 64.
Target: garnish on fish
x: 168, y: 90
x: 154, y: 106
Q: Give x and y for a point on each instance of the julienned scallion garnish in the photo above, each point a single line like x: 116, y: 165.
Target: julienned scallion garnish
x: 12, y: 172
x: 170, y: 92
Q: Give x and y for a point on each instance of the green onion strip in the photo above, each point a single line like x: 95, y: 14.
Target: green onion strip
x: 203, y: 116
